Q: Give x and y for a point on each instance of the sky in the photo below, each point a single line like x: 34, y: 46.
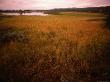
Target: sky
x: 50, y: 4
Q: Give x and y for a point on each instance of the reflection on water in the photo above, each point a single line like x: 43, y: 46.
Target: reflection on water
x: 10, y: 13
x: 33, y: 13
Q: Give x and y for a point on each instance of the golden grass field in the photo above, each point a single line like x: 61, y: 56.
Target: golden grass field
x: 72, y: 47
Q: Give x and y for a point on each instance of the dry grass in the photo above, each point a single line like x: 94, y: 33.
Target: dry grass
x: 53, y: 49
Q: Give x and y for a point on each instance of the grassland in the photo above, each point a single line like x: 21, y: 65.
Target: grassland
x: 54, y: 48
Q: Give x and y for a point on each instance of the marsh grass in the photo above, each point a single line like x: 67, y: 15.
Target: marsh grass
x: 53, y: 50
x: 3, y: 17
x: 11, y: 34
x: 107, y: 21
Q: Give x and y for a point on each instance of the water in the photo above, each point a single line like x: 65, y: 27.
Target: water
x: 28, y: 14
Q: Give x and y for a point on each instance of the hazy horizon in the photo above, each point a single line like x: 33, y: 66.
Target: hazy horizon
x: 50, y: 4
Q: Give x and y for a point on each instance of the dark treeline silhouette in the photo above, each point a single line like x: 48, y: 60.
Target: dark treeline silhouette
x: 89, y: 9
x: 104, y: 9
x: 21, y: 12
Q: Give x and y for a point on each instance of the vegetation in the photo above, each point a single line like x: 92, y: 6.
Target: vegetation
x: 107, y: 19
x: 54, y: 48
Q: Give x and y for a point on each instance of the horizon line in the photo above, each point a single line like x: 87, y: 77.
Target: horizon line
x: 58, y: 8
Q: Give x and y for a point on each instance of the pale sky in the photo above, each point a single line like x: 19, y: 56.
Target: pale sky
x: 50, y: 4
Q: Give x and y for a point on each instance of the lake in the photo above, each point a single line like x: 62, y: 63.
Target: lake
x: 29, y: 14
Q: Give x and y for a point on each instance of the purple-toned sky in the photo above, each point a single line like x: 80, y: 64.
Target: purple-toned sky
x: 50, y: 4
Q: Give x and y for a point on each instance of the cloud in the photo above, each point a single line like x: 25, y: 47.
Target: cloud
x: 49, y: 4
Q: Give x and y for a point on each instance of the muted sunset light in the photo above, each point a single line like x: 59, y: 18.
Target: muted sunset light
x: 50, y: 4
